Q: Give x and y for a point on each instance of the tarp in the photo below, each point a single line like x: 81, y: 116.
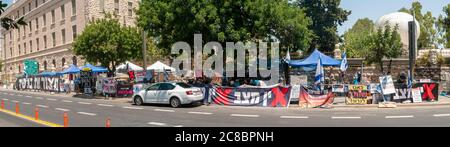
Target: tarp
x: 49, y: 74
x: 131, y: 66
x: 94, y: 68
x: 312, y: 60
x: 160, y: 67
x: 73, y: 69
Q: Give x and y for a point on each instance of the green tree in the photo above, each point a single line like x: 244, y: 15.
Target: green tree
x: 384, y: 43
x: 107, y: 42
x: 427, y: 25
x: 170, y: 21
x: 8, y: 23
x: 444, y: 25
x: 356, y: 38
x: 326, y: 15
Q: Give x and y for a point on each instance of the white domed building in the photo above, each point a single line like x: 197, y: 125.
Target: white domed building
x: 401, y: 19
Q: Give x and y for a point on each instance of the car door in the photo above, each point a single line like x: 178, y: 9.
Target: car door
x: 164, y: 93
x: 150, y: 93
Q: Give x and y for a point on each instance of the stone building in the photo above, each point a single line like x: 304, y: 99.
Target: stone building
x: 52, y: 27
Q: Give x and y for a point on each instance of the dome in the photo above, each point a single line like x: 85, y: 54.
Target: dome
x: 402, y: 20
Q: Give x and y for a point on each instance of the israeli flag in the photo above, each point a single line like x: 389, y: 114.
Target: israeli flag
x: 319, y: 77
x: 344, y: 62
x: 409, y: 80
x: 288, y: 56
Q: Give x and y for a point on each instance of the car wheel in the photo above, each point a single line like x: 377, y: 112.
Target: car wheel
x: 175, y: 102
x: 138, y: 101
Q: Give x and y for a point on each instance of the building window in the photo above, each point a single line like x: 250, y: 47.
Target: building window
x: 74, y: 32
x: 30, y: 24
x: 63, y: 36
x: 102, y: 5
x: 63, y: 12
x: 20, y: 52
x: 31, y: 46
x: 53, y: 39
x: 130, y: 9
x: 37, y: 23
x: 54, y: 63
x: 53, y: 16
x: 10, y: 52
x: 36, y: 3
x: 116, y: 7
x: 45, y: 19
x: 74, y: 60
x: 74, y: 8
x: 29, y: 7
x: 37, y: 44
x: 23, y: 11
x: 45, y: 42
x: 24, y: 48
x: 45, y: 65
x: 63, y: 62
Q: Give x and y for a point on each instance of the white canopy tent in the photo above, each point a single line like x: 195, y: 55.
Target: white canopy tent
x: 131, y: 66
x: 160, y: 67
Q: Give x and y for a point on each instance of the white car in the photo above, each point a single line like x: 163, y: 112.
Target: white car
x: 174, y: 93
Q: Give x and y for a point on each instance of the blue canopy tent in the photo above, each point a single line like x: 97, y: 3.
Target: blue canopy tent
x: 311, y: 61
x: 73, y: 69
x: 95, y: 69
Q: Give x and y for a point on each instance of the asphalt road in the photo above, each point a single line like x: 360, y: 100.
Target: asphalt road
x: 7, y: 120
x: 93, y: 113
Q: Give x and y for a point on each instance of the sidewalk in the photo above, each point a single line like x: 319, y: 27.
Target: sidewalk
x: 339, y: 102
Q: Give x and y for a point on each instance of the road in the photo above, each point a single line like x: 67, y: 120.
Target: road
x: 93, y: 113
x: 7, y: 120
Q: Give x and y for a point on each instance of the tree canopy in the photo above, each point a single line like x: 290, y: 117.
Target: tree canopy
x: 107, y: 42
x: 326, y: 15
x: 9, y: 23
x: 170, y: 21
x: 384, y: 43
x: 356, y: 38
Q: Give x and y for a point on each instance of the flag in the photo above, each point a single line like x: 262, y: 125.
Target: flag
x: 344, y: 62
x: 409, y: 80
x: 319, y: 77
x: 288, y: 56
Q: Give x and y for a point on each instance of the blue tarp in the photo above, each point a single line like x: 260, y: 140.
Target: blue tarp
x: 49, y: 74
x: 94, y: 68
x: 73, y: 69
x: 311, y: 61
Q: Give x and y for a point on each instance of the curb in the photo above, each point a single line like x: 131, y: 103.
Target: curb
x: 398, y: 105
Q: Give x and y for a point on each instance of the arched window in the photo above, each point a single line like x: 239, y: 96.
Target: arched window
x: 45, y: 65
x: 74, y: 61
x: 20, y: 69
x: 54, y: 63
x: 63, y: 62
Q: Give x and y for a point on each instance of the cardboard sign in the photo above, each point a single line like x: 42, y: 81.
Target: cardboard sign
x: 358, y: 95
x: 338, y: 88
x: 416, y: 95
x: 387, y: 85
x: 295, y: 91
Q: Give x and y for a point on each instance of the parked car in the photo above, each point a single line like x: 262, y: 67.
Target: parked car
x: 173, y: 93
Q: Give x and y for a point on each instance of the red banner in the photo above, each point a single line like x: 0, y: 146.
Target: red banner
x: 311, y: 101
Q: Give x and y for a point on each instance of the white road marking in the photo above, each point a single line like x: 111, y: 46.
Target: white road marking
x: 61, y: 109
x: 19, y: 95
x: 346, y: 117
x: 134, y: 108
x: 11, y: 94
x: 25, y: 103
x: 105, y: 105
x: 51, y: 99
x: 15, y: 101
x: 28, y: 96
x: 42, y: 106
x: 244, y: 115
x: 84, y: 103
x: 39, y: 98
x: 66, y: 101
x: 164, y: 110
x: 203, y: 113
x: 85, y: 113
x: 404, y: 116
x: 441, y: 115
x: 294, y: 117
x: 157, y: 124
x: 5, y: 99
x: 178, y: 126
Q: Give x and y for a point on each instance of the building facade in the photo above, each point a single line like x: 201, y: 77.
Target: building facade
x: 52, y: 26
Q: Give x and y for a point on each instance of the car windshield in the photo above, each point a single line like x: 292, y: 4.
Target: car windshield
x: 184, y: 85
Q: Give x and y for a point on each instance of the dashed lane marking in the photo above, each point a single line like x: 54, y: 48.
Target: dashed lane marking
x: 61, y: 109
x: 86, y: 113
x: 42, y: 106
x: 51, y: 99
x: 157, y: 124
x: 402, y: 116
x: 244, y: 115
x: 202, y: 113
x: 25, y: 103
x: 66, y: 101
x: 84, y: 103
x: 164, y: 110
x: 134, y: 108
x: 294, y: 117
x: 441, y: 115
x: 105, y: 105
x: 346, y: 117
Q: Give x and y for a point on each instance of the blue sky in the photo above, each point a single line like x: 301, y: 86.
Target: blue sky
x: 374, y: 9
